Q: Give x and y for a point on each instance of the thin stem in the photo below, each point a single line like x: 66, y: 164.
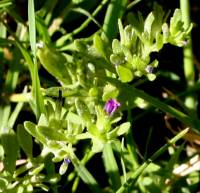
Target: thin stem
x: 114, y: 11
x: 138, y: 172
x: 111, y: 166
x: 190, y: 100
x: 131, y: 146
x: 62, y: 40
x: 85, y: 175
x: 129, y: 90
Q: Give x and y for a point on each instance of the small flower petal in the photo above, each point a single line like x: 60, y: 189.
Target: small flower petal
x: 111, y: 106
x: 67, y: 160
x: 149, y: 69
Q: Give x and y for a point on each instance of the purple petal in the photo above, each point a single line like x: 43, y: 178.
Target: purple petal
x: 67, y: 160
x: 111, y: 106
x: 149, y: 69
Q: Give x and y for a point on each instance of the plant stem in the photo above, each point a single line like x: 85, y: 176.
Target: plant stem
x: 85, y: 175
x: 111, y: 166
x: 129, y: 90
x: 189, y: 72
x: 114, y: 11
x: 62, y: 40
x: 138, y: 172
x: 131, y: 146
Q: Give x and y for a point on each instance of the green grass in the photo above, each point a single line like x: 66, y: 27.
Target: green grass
x: 59, y: 67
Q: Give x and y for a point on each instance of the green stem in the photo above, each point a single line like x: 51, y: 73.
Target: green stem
x: 115, y: 11
x: 138, y: 172
x: 111, y: 166
x: 130, y: 90
x: 131, y: 146
x: 62, y: 40
x: 85, y: 175
x: 190, y: 100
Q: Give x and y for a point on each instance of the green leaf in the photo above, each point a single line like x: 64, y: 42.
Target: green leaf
x: 137, y: 22
x: 114, y: 12
x: 43, y: 120
x: 74, y: 118
x: 165, y: 32
x: 39, y: 102
x: 151, y: 77
x: 121, y: 32
x: 159, y: 42
x: 54, y: 62
x: 50, y: 110
x: 3, y: 184
x: 86, y: 176
x: 117, y: 59
x: 4, y: 116
x: 148, y: 23
x: 157, y: 24
x: 97, y: 145
x: 131, y: 181
x: 127, y: 54
x: 51, y: 133
x: 31, y: 128
x: 116, y: 46
x: 27, y: 57
x: 5, y: 3
x: 25, y: 140
x: 176, y: 24
x: 100, y: 46
x: 63, y: 168
x: 109, y: 91
x: 32, y: 29
x: 123, y: 128
x: 92, y: 129
x: 111, y: 166
x: 36, y: 170
x: 120, y: 130
x: 42, y: 29
x: 130, y: 38
x: 13, y: 117
x: 124, y: 73
x: 83, y: 111
x: 11, y: 148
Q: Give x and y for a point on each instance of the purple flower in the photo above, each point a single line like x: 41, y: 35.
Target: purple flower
x: 149, y: 69
x: 67, y: 160
x: 111, y: 106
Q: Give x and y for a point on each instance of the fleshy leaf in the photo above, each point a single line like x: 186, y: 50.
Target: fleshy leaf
x: 124, y: 73
x: 122, y: 129
x: 25, y: 140
x: 83, y: 110
x: 63, y: 168
x: 54, y: 62
x: 100, y: 46
x: 31, y: 128
x: 51, y: 133
x: 11, y: 148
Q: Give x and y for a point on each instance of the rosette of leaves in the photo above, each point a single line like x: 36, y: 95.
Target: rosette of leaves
x: 131, y: 54
x: 56, y: 131
x: 100, y: 126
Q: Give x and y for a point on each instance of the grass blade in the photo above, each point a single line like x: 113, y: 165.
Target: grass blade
x: 129, y: 90
x: 114, y: 12
x: 138, y: 172
x: 111, y: 166
x: 32, y: 29
x: 86, y: 176
x: 35, y: 81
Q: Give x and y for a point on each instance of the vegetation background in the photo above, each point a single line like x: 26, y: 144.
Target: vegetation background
x: 36, y: 98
